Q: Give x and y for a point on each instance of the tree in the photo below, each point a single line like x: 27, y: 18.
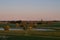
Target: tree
x: 6, y: 28
x: 17, y: 25
x: 23, y: 25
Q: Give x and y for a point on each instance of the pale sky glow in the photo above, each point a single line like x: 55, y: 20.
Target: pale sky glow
x: 29, y: 9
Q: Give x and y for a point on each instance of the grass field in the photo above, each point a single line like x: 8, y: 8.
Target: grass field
x: 56, y: 24
x: 30, y: 34
x: 28, y: 38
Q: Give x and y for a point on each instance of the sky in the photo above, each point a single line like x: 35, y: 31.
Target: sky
x: 29, y: 9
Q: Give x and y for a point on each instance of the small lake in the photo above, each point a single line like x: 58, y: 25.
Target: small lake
x: 31, y: 29
x: 44, y: 29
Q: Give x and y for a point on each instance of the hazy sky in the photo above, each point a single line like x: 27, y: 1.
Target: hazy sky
x: 29, y: 9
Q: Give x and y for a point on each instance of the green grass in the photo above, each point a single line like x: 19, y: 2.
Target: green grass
x: 30, y: 35
x: 29, y: 38
x: 11, y: 25
x: 56, y: 24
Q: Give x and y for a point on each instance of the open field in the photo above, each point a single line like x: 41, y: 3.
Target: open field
x: 53, y: 24
x: 32, y: 33
x: 28, y: 38
x: 29, y: 35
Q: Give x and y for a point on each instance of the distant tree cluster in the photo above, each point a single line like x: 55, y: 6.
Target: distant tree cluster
x: 14, y: 22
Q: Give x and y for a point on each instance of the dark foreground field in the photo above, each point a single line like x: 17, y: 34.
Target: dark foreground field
x: 27, y: 38
x: 29, y: 35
